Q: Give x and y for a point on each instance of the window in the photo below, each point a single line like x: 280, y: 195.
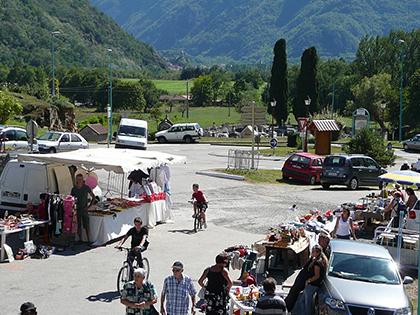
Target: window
x: 21, y: 135
x: 357, y: 162
x: 175, y: 129
x: 298, y: 159
x: 317, y: 162
x: 132, y: 131
x: 65, y: 138
x: 75, y: 138
x: 335, y: 161
x: 50, y: 136
x: 369, y: 163
x: 9, y: 135
x: 189, y: 128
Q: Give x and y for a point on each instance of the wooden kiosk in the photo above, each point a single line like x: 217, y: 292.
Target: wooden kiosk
x: 322, y: 130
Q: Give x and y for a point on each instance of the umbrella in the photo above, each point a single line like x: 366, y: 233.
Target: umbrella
x: 408, y: 178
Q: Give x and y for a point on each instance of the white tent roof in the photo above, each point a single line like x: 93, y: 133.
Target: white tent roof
x: 116, y: 160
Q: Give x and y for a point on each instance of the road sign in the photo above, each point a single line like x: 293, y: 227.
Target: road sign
x: 273, y: 143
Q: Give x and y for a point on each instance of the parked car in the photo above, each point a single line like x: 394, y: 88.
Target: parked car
x: 362, y: 278
x: 54, y: 141
x: 15, y: 140
x: 303, y: 166
x: 412, y: 144
x: 187, y: 133
x: 350, y: 170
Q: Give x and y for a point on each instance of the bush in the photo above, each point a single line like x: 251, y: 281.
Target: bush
x: 369, y: 143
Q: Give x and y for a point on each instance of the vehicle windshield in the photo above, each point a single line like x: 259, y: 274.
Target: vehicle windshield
x: 299, y: 159
x: 335, y: 161
x: 50, y: 136
x: 132, y: 131
x: 363, y: 268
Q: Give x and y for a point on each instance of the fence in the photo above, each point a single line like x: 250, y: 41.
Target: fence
x: 242, y: 159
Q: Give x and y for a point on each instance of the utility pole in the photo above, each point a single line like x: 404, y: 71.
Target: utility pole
x: 188, y: 105
x: 253, y: 136
x: 332, y: 101
x: 400, y: 134
x: 53, y: 62
x: 109, y: 109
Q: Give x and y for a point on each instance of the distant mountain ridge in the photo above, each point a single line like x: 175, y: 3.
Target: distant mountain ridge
x: 246, y: 30
x: 85, y: 36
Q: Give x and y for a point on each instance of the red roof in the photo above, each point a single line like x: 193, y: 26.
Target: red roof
x: 97, y: 128
x: 324, y: 125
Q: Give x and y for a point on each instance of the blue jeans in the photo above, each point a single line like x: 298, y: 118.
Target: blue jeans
x: 308, y: 295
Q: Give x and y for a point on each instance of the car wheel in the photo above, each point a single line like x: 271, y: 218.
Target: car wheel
x: 326, y: 186
x: 161, y: 139
x: 312, y: 180
x: 405, y: 147
x: 354, y: 183
x: 188, y: 139
x: 52, y: 150
x: 285, y: 177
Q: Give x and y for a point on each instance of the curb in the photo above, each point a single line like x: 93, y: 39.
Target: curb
x: 221, y: 175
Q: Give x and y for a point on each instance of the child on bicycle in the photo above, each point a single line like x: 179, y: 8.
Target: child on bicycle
x: 199, y: 202
x: 139, y: 241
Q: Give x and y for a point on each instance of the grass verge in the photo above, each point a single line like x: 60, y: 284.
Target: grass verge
x: 257, y: 176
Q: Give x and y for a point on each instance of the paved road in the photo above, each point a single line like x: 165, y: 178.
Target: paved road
x: 84, y: 281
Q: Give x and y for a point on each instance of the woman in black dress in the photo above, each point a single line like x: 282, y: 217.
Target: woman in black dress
x: 217, y: 287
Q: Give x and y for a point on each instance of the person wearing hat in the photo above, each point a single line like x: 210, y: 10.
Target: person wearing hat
x: 28, y: 308
x: 177, y: 291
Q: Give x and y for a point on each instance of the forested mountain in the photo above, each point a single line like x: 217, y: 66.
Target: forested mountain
x: 246, y: 30
x: 26, y: 28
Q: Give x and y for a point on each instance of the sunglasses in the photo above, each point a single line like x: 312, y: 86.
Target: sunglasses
x: 176, y: 270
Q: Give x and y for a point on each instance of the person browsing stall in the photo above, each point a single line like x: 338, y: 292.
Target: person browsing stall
x: 81, y: 192
x: 344, y: 226
x: 395, y: 207
x: 177, y: 290
x: 139, y: 295
x: 412, y: 198
x: 139, y: 242
x: 270, y: 303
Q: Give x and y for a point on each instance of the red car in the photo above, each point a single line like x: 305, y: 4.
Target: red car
x: 303, y: 166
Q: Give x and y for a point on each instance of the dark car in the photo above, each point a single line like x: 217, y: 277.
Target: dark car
x: 302, y: 166
x: 352, y: 171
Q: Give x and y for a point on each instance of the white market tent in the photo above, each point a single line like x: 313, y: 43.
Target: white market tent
x: 119, y: 161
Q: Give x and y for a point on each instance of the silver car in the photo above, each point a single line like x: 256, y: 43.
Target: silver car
x: 363, y: 279
x: 412, y: 144
x: 15, y: 140
x: 53, y: 141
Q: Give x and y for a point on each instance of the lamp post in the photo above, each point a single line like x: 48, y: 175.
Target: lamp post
x: 53, y: 62
x: 109, y: 109
x: 401, y: 42
x: 273, y: 104
x: 307, y: 103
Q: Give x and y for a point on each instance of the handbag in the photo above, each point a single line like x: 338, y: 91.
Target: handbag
x: 153, y: 310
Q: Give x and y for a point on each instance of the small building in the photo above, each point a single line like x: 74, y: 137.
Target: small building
x: 322, y: 130
x: 94, y: 133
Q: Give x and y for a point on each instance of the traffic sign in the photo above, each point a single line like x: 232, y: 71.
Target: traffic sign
x: 273, y: 143
x: 302, y: 121
x: 32, y: 128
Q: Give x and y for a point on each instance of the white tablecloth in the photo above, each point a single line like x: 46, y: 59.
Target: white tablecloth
x: 106, y: 228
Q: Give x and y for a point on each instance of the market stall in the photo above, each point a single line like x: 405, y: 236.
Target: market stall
x: 113, y: 215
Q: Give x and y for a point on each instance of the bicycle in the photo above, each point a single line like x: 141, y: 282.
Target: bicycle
x: 199, y: 221
x: 126, y: 272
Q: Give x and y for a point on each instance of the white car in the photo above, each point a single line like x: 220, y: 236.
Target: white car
x: 16, y: 140
x: 53, y: 141
x: 187, y: 133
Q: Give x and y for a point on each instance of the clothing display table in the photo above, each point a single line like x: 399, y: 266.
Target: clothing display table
x: 108, y: 227
x: 27, y: 229
x: 236, y: 304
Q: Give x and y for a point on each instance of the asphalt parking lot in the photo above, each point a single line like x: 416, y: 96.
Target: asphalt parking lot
x: 83, y: 281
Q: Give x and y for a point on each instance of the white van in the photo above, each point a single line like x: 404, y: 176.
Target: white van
x: 132, y: 133
x: 23, y: 182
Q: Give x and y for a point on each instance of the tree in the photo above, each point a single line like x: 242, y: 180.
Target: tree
x: 369, y: 143
x: 9, y: 106
x: 202, y: 91
x: 376, y: 95
x: 307, y: 84
x: 278, y: 83
x: 412, y: 111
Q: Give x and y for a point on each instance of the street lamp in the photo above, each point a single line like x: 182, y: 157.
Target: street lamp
x: 53, y: 62
x: 273, y: 104
x: 109, y: 109
x: 307, y: 103
x: 401, y: 42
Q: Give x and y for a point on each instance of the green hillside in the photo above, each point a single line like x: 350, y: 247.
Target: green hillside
x: 246, y: 30
x: 85, y: 35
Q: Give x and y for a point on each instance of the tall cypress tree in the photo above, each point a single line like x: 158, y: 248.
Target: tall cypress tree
x: 278, y: 83
x: 307, y: 84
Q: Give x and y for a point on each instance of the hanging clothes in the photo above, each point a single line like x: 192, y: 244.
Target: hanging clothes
x: 68, y: 204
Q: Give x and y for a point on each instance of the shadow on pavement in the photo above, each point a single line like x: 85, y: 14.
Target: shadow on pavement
x: 106, y: 297
x: 72, y: 249
x: 184, y: 231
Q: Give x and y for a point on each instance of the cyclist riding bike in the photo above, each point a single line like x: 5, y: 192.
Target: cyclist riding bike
x: 199, y: 203
x: 139, y: 242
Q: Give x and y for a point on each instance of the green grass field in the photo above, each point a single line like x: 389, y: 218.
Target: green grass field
x: 173, y: 86
x: 257, y: 176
